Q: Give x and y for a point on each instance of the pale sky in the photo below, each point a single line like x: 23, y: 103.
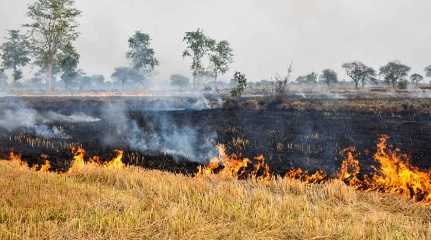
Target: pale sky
x: 265, y: 35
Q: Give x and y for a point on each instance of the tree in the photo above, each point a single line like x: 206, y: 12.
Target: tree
x: 328, y: 77
x: 53, y: 27
x: 416, y: 78
x: 220, y: 59
x: 198, y: 45
x: 359, y: 73
x: 126, y: 74
x: 308, y: 79
x: 69, y: 60
x: 428, y: 71
x: 140, y: 54
x: 393, y: 72
x: 180, y: 81
x: 15, y: 54
x: 241, y: 84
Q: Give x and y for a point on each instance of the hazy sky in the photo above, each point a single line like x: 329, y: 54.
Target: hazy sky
x: 266, y: 35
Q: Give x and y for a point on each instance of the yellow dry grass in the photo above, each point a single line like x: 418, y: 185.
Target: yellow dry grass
x: 100, y: 203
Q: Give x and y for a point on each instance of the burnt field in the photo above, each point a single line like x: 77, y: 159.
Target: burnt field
x: 178, y: 134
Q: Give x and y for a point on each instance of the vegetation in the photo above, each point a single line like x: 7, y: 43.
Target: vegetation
x: 140, y: 54
x: 221, y: 58
x: 359, y: 73
x: 180, y: 81
x: 101, y: 203
x: 393, y: 72
x: 328, y: 77
x: 198, y: 45
x: 240, y: 81
x: 15, y: 54
x: 53, y: 27
x: 416, y: 78
x: 308, y: 79
x: 69, y: 60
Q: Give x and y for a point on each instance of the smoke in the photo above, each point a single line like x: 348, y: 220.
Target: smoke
x: 15, y: 115
x: 160, y: 134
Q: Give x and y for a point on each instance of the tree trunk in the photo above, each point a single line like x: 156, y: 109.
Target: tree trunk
x: 215, y: 82
x: 51, y: 84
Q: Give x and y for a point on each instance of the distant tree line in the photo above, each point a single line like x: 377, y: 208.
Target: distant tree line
x: 48, y: 41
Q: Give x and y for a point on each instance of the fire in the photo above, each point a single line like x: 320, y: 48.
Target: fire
x: 394, y: 173
x: 78, y: 159
x: 350, y: 168
x: 234, y: 166
x: 46, y: 166
x: 117, y: 161
x: 397, y: 175
x: 16, y: 159
x: 318, y: 177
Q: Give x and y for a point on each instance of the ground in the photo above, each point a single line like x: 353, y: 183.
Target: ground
x: 133, y: 203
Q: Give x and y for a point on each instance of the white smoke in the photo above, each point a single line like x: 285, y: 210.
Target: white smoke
x: 16, y: 115
x: 161, y: 135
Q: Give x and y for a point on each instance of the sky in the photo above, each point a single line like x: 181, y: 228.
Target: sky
x: 266, y: 35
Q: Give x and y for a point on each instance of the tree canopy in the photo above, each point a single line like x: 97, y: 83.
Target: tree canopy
x: 328, y: 77
x: 15, y: 53
x: 140, y: 54
x: 53, y: 26
x: 393, y: 72
x: 359, y: 73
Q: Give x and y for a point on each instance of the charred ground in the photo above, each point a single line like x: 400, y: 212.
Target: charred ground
x: 290, y: 133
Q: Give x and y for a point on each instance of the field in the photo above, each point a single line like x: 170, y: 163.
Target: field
x: 132, y: 203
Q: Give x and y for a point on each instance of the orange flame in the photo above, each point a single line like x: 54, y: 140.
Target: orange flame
x: 78, y: 159
x: 117, y: 161
x: 350, y: 168
x: 397, y: 175
x: 17, y: 160
x: 46, y: 166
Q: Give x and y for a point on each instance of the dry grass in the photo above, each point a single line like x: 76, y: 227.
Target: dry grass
x: 132, y: 203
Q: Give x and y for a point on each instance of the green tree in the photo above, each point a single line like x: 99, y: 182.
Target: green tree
x: 393, y: 72
x: 15, y: 54
x: 53, y: 26
x: 221, y: 57
x: 308, y: 79
x: 359, y: 73
x: 197, y: 46
x: 126, y: 74
x: 140, y: 54
x: 180, y: 81
x: 69, y: 60
x: 240, y: 81
x: 328, y: 77
x: 416, y: 78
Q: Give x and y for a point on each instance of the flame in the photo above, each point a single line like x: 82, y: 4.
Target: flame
x: 117, y: 161
x: 46, y: 166
x: 350, y: 168
x: 78, y: 159
x: 17, y: 160
x: 397, y: 175
x: 233, y: 166
x: 297, y: 173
